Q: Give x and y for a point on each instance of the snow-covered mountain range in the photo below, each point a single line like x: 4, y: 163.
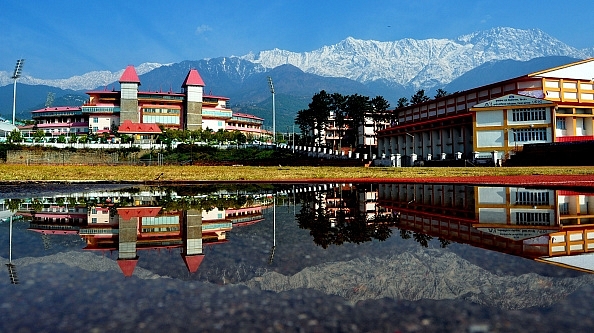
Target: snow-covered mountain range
x: 420, y: 63
x: 407, y: 62
x: 90, y: 80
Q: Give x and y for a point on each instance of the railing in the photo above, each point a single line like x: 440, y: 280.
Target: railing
x: 574, y: 138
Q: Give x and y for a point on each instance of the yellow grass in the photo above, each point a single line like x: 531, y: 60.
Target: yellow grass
x: 9, y: 172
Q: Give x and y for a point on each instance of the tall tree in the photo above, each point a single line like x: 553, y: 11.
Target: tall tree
x: 440, y: 93
x: 402, y: 102
x: 357, y: 107
x: 379, y: 112
x: 419, y: 97
x: 320, y: 108
x: 312, y: 121
x: 338, y: 108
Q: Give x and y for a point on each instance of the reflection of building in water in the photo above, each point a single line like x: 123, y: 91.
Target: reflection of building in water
x: 347, y: 201
x: 541, y: 224
x: 106, y: 225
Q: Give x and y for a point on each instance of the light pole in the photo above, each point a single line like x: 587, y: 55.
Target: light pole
x: 273, y: 110
x: 17, y: 73
x: 413, y: 146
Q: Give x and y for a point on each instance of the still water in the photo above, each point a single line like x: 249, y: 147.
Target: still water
x: 296, y: 258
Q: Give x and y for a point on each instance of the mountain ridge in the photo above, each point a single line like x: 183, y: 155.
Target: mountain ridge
x: 418, y: 64
x: 391, y: 69
x: 411, y: 62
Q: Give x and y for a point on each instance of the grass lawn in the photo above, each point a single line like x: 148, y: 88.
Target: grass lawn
x: 10, y: 173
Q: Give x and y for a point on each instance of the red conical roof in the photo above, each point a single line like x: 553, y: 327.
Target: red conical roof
x: 127, y: 266
x: 130, y: 75
x: 193, y: 79
x: 193, y: 262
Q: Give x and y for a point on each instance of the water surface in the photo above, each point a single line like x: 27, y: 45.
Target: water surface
x: 302, y: 257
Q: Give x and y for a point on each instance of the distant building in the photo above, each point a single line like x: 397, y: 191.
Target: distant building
x: 108, y: 110
x: 5, y: 129
x: 334, y: 135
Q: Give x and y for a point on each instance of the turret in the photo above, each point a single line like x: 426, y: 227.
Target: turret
x: 129, y: 83
x: 194, y: 87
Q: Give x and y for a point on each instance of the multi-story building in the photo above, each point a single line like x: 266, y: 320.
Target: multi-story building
x: 496, y: 120
x: 107, y: 110
x: 333, y: 135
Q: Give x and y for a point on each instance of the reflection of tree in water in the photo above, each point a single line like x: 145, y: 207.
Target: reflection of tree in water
x: 422, y: 239
x: 346, y: 225
x: 335, y: 224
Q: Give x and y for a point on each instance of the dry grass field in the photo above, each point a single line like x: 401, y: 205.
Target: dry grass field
x: 23, y: 173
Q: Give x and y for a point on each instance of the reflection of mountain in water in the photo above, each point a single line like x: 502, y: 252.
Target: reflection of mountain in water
x: 141, y: 223
x: 83, y: 260
x: 426, y: 274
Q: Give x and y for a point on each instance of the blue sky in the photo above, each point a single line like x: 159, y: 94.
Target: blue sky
x: 62, y: 38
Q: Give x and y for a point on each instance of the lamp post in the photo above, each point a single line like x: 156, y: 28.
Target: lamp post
x: 273, y: 110
x: 413, y: 146
x: 17, y: 73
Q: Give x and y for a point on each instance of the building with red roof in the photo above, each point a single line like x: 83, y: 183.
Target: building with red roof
x: 143, y: 113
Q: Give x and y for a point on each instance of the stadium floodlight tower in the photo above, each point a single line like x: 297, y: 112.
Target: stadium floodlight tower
x: 17, y: 73
x: 273, y: 111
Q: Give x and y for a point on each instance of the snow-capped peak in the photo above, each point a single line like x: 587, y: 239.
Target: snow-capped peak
x: 419, y: 62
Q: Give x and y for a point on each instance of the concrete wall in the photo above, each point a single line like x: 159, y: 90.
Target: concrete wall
x: 67, y: 157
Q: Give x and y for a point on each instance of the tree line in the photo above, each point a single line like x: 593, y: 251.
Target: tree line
x: 346, y: 112
x: 349, y: 112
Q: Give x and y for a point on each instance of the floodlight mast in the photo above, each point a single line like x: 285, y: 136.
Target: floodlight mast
x: 273, y: 110
x: 17, y: 74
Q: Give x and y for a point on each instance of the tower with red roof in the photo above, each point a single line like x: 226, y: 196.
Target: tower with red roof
x: 192, y: 240
x: 194, y: 89
x: 129, y: 83
x: 128, y: 237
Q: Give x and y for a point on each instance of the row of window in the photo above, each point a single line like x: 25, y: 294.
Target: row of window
x: 530, y: 218
x: 96, y: 129
x: 61, y: 120
x: 531, y: 114
x: 160, y: 119
x: 160, y: 110
x: 530, y: 134
x: 66, y: 130
x: 532, y: 198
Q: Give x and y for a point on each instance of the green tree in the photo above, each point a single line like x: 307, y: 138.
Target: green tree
x: 379, y: 112
x: 357, y: 107
x: 440, y: 93
x: 105, y: 137
x: 419, y: 97
x: 402, y: 103
x: 338, y: 107
x: 61, y: 138
x: 125, y: 138
x: 15, y: 136
x: 320, y: 107
x: 39, y: 135
x: 304, y: 120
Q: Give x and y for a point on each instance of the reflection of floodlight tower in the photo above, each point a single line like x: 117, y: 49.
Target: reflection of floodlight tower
x: 11, y: 267
x: 273, y: 110
x: 17, y: 73
x: 273, y: 229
